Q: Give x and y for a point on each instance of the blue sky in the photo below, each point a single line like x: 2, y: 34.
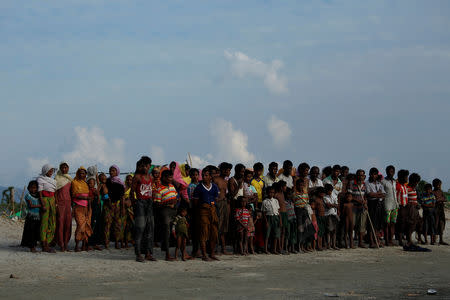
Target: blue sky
x: 361, y: 83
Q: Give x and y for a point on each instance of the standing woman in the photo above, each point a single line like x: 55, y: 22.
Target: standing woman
x: 63, y: 206
x: 81, y: 209
x: 47, y: 189
x: 116, y: 191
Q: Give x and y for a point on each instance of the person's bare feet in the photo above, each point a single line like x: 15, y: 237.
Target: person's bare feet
x: 206, y: 258
x: 213, y: 257
x: 225, y: 252
x: 33, y: 250
x: 150, y: 257
x: 97, y: 247
x: 170, y: 258
x: 77, y: 249
x: 443, y: 243
x: 139, y: 258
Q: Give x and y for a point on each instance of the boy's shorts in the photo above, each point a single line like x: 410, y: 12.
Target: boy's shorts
x: 273, y: 227
x: 284, y: 219
x: 391, y: 216
x: 359, y: 220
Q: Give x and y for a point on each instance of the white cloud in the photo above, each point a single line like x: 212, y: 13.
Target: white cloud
x: 197, y: 161
x: 157, y: 155
x: 279, y: 130
x: 35, y: 165
x: 92, y: 147
x: 243, y: 66
x: 230, y: 144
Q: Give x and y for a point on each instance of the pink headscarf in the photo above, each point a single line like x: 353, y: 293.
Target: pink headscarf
x: 117, y: 179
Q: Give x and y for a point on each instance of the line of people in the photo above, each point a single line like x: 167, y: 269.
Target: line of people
x: 285, y: 211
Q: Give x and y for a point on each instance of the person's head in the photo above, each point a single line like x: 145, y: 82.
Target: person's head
x: 402, y: 176
x: 172, y: 166
x: 348, y: 197
x: 32, y: 187
x: 390, y: 171
x: 303, y: 169
x: 344, y: 171
x: 186, y: 169
x: 287, y: 167
x: 81, y: 173
x: 114, y: 171
x: 437, y: 184
x: 128, y: 180
x: 373, y: 174
x: 47, y: 170
x: 270, y: 192
x: 314, y: 173
x: 102, y: 178
x: 326, y: 171
x: 206, y: 175
x: 360, y: 175
x: 156, y: 173
x: 273, y: 169
x: 328, y: 189
x: 320, y: 192
x: 336, y: 171
x: 258, y: 168
x: 282, y: 186
x: 242, y: 201
x: 146, y: 163
x: 414, y: 180
x: 225, y: 169
x: 64, y: 168
x: 214, y: 171
x: 248, y: 176
x: 183, y: 212
x: 91, y: 183
x: 194, y: 174
x: 300, y: 185
x: 428, y: 188
x: 351, y: 177
x: 166, y: 177
x: 259, y: 215
x: 239, y: 170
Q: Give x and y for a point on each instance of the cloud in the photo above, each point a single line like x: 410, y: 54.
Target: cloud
x: 279, y: 130
x: 92, y: 147
x: 35, y: 165
x: 198, y: 162
x: 243, y: 66
x: 230, y: 144
x: 157, y: 155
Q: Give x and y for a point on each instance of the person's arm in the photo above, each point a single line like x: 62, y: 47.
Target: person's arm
x: 31, y: 205
x: 134, y: 184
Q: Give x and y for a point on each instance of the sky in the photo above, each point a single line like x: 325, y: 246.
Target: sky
x: 357, y: 83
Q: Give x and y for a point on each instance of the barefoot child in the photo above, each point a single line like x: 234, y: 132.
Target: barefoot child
x: 280, y: 190
x: 251, y: 231
x: 96, y: 214
x: 347, y: 216
x: 31, y: 229
x: 106, y: 211
x: 242, y: 216
x: 440, y: 212
x: 428, y: 202
x: 331, y: 204
x: 129, y: 217
x: 270, y: 208
x: 305, y: 229
x: 320, y: 215
x: 194, y: 227
x: 291, y: 228
x: 180, y: 232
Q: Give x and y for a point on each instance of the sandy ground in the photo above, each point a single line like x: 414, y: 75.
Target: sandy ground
x: 113, y: 274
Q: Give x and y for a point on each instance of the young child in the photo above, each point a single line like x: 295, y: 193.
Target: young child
x: 180, y: 231
x: 107, y: 217
x: 271, y: 211
x: 428, y: 202
x: 31, y: 229
x: 312, y: 241
x: 242, y: 216
x: 250, y: 231
x: 291, y: 228
x: 347, y: 216
x: 96, y: 215
x: 194, y: 227
x: 320, y: 215
x: 129, y: 217
x: 249, y: 190
x: 301, y: 205
x: 280, y: 190
x: 259, y: 233
x: 440, y: 211
x: 257, y: 181
x: 332, y: 219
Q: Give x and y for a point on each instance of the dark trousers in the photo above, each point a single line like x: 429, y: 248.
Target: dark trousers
x: 143, y: 226
x: 166, y: 216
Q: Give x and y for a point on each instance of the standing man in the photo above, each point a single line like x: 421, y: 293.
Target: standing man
x: 375, y: 200
x: 390, y: 204
x: 358, y: 190
x: 223, y: 203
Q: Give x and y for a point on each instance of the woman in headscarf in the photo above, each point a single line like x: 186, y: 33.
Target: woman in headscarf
x: 81, y: 209
x: 129, y: 218
x: 63, y: 206
x: 47, y: 189
x: 116, y: 191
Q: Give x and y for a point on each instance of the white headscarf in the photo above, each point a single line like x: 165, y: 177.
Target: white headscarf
x: 62, y: 179
x: 46, y: 183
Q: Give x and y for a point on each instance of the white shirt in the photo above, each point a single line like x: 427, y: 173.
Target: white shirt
x: 288, y: 179
x: 269, y: 181
x: 271, y: 207
x: 390, y: 201
x: 332, y: 211
x: 337, y: 188
x: 318, y: 183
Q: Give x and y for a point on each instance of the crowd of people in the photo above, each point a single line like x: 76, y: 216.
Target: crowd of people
x: 288, y: 210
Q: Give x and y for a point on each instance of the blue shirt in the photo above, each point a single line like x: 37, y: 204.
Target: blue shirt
x: 32, y: 212
x: 205, y: 195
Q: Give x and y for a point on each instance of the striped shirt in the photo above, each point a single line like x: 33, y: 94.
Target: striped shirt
x: 402, y: 194
x: 358, y: 193
x: 428, y: 199
x: 301, y: 200
x: 166, y: 195
x: 242, y: 215
x: 412, y: 195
